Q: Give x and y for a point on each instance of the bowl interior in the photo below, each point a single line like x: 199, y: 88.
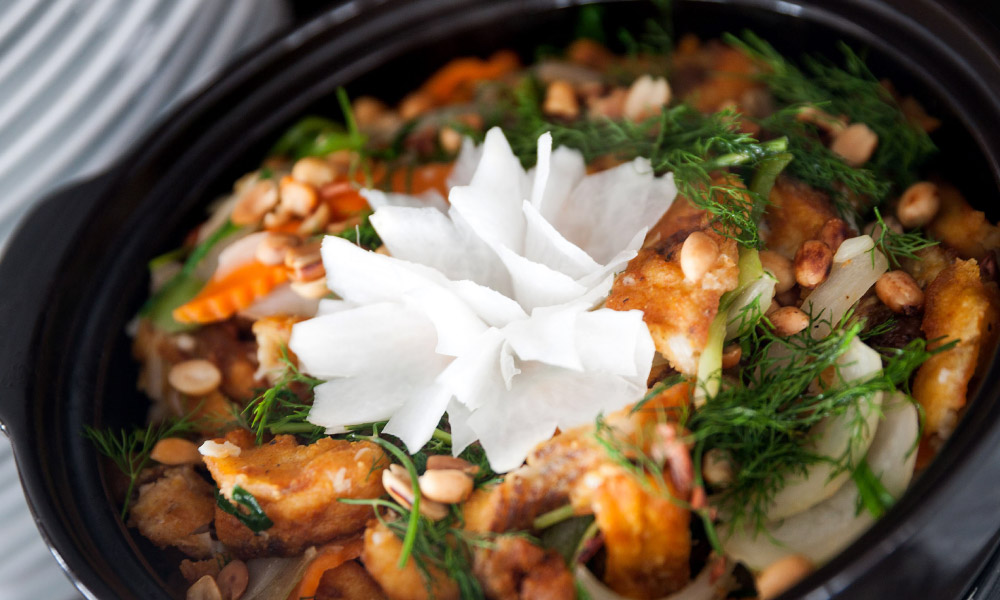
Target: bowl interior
x: 160, y: 191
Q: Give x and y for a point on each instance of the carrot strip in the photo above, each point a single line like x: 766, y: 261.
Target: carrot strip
x: 343, y: 200
x: 221, y: 298
x: 329, y: 557
x: 423, y: 178
x: 446, y: 85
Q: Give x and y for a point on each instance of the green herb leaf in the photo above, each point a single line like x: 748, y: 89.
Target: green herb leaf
x: 364, y: 234
x: 319, y: 136
x: 872, y: 495
x: 252, y: 515
x: 899, y: 246
x: 129, y: 450
x: 280, y: 409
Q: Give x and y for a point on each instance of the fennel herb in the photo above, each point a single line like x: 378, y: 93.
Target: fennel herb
x: 898, y: 246
x: 443, y: 545
x: 281, y: 410
x: 680, y: 139
x: 764, y: 422
x: 872, y: 495
x: 319, y: 136
x: 363, y: 234
x: 129, y: 450
x: 851, y: 90
x: 251, y: 515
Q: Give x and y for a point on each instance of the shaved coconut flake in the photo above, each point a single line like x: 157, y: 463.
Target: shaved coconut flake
x: 826, y: 529
x: 217, y: 450
x: 488, y: 311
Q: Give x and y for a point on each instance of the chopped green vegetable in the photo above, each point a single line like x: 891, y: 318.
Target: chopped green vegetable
x: 280, y: 410
x: 319, y: 136
x: 252, y: 515
x: 872, y: 495
x: 565, y: 536
x: 364, y: 234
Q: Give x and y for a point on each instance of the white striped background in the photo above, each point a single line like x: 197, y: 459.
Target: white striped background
x: 80, y: 80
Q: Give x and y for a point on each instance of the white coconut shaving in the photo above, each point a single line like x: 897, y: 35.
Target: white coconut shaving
x: 486, y: 310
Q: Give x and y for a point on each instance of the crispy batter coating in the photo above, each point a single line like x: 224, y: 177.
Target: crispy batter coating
x: 928, y: 264
x: 381, y: 558
x: 272, y: 335
x: 646, y: 532
x: 515, y: 569
x: 176, y: 510
x: 678, y: 311
x: 349, y: 581
x: 960, y: 226
x: 298, y: 488
x: 796, y: 215
x: 958, y: 307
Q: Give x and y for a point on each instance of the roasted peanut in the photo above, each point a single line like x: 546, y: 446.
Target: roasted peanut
x: 273, y: 248
x: 401, y: 491
x: 645, y: 97
x: 298, y: 198
x: 450, y: 140
x: 813, y: 261
x: 447, y: 486
x: 833, y: 233
x: 698, y: 253
x: 773, y: 306
x: 918, y: 205
x: 204, y: 589
x: 898, y: 291
x: 313, y: 290
x: 780, y: 267
x: 233, y: 579
x: 560, y: 101
x: 367, y: 111
x: 855, y: 144
x: 788, y: 320
x: 312, y: 171
x: 415, y: 105
x: 781, y: 575
x: 443, y: 461
x: 255, y: 202
x: 731, y: 356
x: 305, y: 263
x: 175, y: 451
x: 195, y: 377
x: 717, y: 468
x: 822, y: 119
x: 315, y: 222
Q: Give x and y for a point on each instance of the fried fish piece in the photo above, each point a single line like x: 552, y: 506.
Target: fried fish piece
x: 961, y: 227
x: 677, y: 311
x: 298, y: 487
x: 176, y: 510
x: 796, y: 214
x: 381, y: 558
x: 958, y: 307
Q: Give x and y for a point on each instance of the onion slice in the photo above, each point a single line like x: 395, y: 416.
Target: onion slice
x: 276, y: 577
x: 824, y: 530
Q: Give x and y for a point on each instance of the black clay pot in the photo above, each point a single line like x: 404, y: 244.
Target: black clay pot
x: 75, y: 273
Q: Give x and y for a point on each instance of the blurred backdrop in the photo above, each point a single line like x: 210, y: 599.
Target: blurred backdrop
x: 81, y: 81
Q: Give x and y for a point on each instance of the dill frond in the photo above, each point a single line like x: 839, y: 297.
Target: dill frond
x: 851, y: 90
x: 898, y: 246
x: 129, y: 450
x: 281, y: 410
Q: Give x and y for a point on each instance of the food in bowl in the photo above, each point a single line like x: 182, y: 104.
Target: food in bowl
x: 604, y: 325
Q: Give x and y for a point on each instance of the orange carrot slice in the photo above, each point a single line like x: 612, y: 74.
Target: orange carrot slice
x: 343, y: 199
x: 450, y: 83
x: 221, y: 298
x: 329, y: 557
x: 423, y: 178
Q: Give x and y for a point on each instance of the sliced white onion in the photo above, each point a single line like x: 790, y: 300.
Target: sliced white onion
x: 826, y: 529
x: 236, y: 252
x: 702, y: 587
x: 281, y: 301
x: 276, y: 577
x: 834, y: 437
x: 848, y: 281
x: 853, y: 247
x: 752, y: 301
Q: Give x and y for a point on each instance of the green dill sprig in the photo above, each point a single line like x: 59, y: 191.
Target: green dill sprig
x: 319, y: 136
x: 129, y: 450
x: 251, y: 515
x: 764, y: 422
x: 851, y: 90
x: 821, y: 168
x: 444, y: 544
x: 872, y: 495
x: 280, y: 409
x: 681, y: 140
x: 362, y: 234
x: 898, y: 246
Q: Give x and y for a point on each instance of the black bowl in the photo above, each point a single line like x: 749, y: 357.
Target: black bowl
x: 75, y: 272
